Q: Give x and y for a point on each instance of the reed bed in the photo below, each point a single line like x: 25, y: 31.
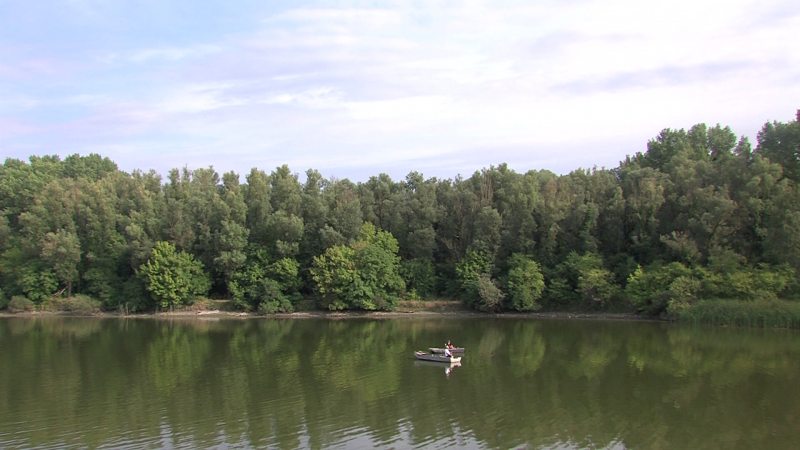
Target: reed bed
x: 772, y: 313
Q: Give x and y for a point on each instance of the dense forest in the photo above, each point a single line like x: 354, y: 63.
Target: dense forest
x: 700, y: 215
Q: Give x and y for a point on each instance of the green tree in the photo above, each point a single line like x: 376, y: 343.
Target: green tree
x: 419, y: 276
x: 650, y: 289
x: 63, y: 251
x: 314, y: 216
x: 93, y: 167
x: 232, y: 244
x: 335, y: 274
x: 780, y: 142
x: 344, y: 211
x: 477, y: 288
x: 257, y: 200
x: 580, y: 279
x: 525, y: 283
x: 365, y: 275
x: 379, y: 269
x: 597, y: 285
x: 173, y: 277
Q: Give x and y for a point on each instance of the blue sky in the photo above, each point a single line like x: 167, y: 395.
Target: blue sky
x: 357, y: 88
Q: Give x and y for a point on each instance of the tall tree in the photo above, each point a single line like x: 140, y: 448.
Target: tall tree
x: 231, y: 239
x: 63, y: 251
x: 780, y: 142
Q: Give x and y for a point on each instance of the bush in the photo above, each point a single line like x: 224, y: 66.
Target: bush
x: 275, y: 306
x: 597, y: 286
x: 384, y: 304
x: 649, y: 289
x: 173, y: 277
x: 483, y: 294
x: 524, y: 283
x: 3, y: 300
x: 18, y: 303
x: 580, y: 279
x: 477, y: 288
x: 49, y: 304
x: 681, y: 294
x: 272, y: 299
x: 81, y: 304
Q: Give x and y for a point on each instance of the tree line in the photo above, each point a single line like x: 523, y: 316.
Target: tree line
x: 700, y: 214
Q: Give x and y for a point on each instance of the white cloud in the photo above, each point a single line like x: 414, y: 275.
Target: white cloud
x: 172, y: 53
x: 416, y: 109
x: 199, y: 98
x: 438, y: 84
x: 315, y: 97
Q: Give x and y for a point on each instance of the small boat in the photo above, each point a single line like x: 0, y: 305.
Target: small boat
x: 452, y: 350
x: 437, y: 358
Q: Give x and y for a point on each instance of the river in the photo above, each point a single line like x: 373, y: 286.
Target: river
x: 354, y: 383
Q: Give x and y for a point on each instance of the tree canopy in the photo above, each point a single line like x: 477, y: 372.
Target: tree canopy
x: 699, y: 214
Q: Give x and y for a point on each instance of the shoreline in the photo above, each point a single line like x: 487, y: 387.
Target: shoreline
x: 336, y: 315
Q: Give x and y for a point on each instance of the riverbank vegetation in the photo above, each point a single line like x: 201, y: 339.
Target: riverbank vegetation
x: 701, y: 214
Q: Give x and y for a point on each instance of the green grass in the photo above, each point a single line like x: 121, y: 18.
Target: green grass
x: 771, y: 313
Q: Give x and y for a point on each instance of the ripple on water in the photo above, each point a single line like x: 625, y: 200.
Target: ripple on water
x: 562, y: 385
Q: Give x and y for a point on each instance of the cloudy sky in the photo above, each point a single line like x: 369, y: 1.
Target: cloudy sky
x: 357, y: 88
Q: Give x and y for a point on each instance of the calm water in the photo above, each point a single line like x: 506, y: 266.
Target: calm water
x: 308, y: 383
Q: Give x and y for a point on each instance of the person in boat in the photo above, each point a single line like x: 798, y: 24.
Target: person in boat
x: 449, y: 346
x: 447, y: 353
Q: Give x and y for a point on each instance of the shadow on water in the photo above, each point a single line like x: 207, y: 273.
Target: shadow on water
x: 283, y: 383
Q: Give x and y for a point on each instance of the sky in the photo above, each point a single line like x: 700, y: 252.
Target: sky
x: 358, y: 88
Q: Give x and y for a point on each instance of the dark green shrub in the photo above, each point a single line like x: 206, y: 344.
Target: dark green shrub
x: 420, y: 276
x: 477, y: 288
x: 649, y: 289
x: 81, y: 304
x: 19, y: 303
x: 580, y: 279
x: 272, y: 299
x: 483, y: 294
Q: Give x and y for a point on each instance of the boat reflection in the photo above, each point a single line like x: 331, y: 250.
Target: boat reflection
x: 448, y: 367
x: 419, y: 363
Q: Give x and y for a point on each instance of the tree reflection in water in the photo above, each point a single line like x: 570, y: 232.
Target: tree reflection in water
x: 323, y: 383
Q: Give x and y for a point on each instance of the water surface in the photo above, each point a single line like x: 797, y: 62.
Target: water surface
x: 354, y: 383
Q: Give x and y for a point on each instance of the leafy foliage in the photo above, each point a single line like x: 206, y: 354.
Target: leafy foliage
x: 81, y: 304
x: 699, y: 214
x: 581, y: 278
x: 63, y: 251
x: 365, y: 275
x: 419, y: 276
x: 173, y: 277
x: 19, y: 303
x: 473, y: 274
x: 525, y: 283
